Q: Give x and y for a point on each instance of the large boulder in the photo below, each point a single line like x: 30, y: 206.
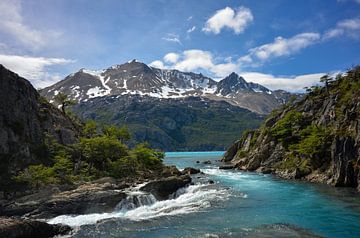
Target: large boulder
x: 16, y: 228
x: 87, y: 198
x: 190, y: 170
x: 162, y: 188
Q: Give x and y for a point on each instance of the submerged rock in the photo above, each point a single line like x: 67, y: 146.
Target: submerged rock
x: 162, y: 188
x: 16, y: 228
x: 207, y: 162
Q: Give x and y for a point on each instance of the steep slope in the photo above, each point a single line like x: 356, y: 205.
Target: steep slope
x: 137, y: 78
x: 24, y: 120
x: 180, y: 124
x: 315, y: 139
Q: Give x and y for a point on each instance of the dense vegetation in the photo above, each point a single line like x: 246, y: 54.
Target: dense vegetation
x: 311, y: 134
x: 99, y: 153
x: 189, y: 124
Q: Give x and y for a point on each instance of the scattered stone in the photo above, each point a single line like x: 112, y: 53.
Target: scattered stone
x: 207, y: 162
x: 198, y: 162
x: 211, y: 181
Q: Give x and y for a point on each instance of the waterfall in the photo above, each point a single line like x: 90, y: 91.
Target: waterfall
x: 134, y: 200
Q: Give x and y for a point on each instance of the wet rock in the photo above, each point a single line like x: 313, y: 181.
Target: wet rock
x: 207, y: 162
x: 16, y: 228
x: 227, y: 166
x: 162, y: 188
x: 169, y: 171
x: 198, y: 162
x: 190, y: 170
x: 211, y: 181
x: 87, y: 198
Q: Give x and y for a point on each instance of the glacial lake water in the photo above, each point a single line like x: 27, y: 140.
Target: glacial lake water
x: 238, y: 204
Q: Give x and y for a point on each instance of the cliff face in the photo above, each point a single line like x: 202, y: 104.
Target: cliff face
x: 24, y: 120
x: 315, y: 139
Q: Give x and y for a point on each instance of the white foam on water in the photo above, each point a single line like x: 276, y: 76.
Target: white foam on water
x: 191, y: 199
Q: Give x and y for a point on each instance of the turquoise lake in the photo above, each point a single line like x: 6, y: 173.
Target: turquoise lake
x: 238, y: 204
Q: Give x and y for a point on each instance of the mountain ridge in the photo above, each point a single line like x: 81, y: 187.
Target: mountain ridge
x: 135, y: 77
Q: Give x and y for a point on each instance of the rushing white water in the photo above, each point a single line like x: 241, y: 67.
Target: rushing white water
x: 142, y: 207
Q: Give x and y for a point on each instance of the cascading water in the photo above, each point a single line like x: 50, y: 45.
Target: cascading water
x: 142, y: 206
x: 134, y: 200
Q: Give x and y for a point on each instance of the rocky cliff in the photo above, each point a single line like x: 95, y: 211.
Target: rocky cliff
x: 315, y: 139
x: 25, y: 119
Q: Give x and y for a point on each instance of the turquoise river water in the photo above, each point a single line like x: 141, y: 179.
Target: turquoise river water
x: 238, y: 204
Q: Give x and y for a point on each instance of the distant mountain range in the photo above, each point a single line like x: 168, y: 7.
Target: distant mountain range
x: 138, y: 78
x: 170, y: 109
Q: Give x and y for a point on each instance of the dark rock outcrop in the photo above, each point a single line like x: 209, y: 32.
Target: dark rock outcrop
x: 16, y: 228
x: 190, y: 170
x: 162, y: 188
x: 25, y: 118
x: 315, y: 139
x: 87, y: 198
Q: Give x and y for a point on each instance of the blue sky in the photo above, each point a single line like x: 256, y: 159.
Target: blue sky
x: 280, y: 43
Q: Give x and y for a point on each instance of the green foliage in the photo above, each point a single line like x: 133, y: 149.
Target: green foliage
x: 37, y: 175
x: 120, y: 133
x: 285, y: 129
x: 311, y: 142
x: 94, y: 156
x: 63, y: 100
x: 100, y: 151
x: 90, y: 129
x: 148, y: 158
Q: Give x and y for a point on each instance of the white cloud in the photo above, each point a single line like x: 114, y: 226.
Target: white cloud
x: 291, y: 84
x: 171, y: 58
x: 194, y: 60
x: 191, y: 29
x: 13, y: 24
x: 34, y: 68
x: 172, y: 38
x: 348, y: 27
x: 228, y: 18
x: 157, y: 64
x: 280, y: 47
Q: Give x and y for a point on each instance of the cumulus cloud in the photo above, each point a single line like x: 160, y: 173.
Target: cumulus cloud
x: 157, y: 64
x: 236, y: 20
x: 348, y: 27
x: 34, y: 68
x: 171, y: 58
x: 13, y: 24
x: 280, y: 47
x: 291, y: 83
x: 194, y: 60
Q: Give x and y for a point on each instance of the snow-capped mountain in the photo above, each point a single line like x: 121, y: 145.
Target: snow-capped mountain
x: 138, y: 78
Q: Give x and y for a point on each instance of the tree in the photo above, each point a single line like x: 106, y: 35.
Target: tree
x: 120, y: 133
x: 100, y: 151
x: 326, y: 79
x: 64, y: 101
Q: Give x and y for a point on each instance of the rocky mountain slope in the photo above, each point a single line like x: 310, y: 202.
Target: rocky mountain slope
x: 25, y: 119
x: 172, y: 124
x: 315, y: 139
x: 137, y: 78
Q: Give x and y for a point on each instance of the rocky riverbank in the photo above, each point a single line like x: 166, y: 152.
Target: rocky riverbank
x: 316, y: 139
x: 92, y: 197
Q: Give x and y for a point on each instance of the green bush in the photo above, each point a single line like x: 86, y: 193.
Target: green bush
x: 285, y: 129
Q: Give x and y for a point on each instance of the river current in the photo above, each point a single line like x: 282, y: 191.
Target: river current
x: 237, y: 204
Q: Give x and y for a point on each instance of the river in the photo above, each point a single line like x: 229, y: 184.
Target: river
x: 238, y: 204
